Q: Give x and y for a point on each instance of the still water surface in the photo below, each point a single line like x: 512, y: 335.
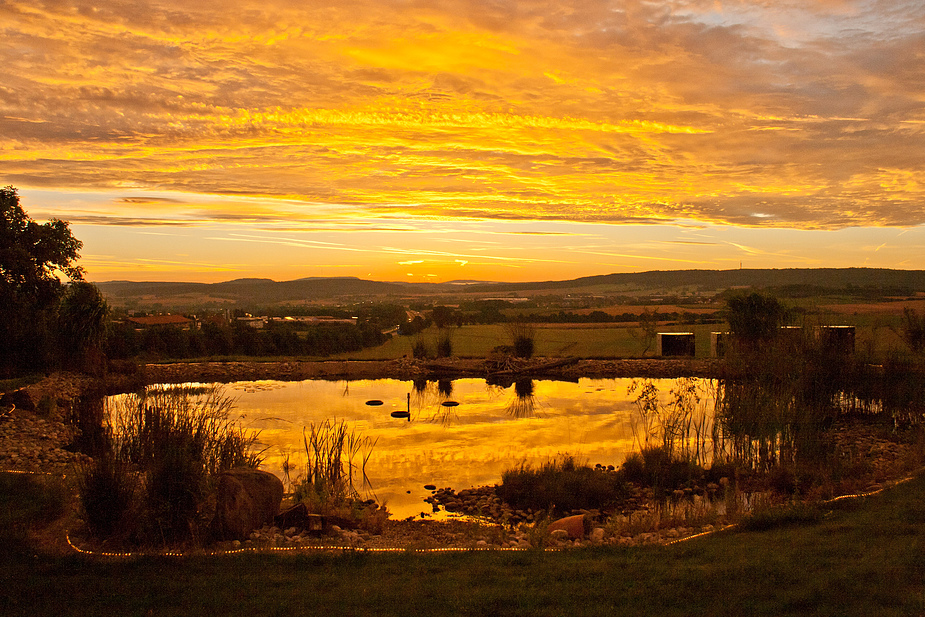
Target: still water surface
x: 493, y: 428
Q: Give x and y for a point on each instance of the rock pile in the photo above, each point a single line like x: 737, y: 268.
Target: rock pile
x: 32, y: 443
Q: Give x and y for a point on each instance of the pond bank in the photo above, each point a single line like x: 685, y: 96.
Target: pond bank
x: 404, y: 369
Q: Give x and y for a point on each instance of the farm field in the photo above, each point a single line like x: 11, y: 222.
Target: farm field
x: 876, y: 336
x: 552, y: 340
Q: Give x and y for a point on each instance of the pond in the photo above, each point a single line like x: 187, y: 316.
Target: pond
x: 461, y: 433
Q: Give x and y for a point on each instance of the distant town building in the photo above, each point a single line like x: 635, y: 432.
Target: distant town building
x: 257, y: 323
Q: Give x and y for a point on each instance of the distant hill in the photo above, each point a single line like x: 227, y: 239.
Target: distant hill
x: 832, y: 278
x: 264, y: 292
x: 247, y: 291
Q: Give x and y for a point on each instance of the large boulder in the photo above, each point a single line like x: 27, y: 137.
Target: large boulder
x: 247, y: 499
x: 574, y: 526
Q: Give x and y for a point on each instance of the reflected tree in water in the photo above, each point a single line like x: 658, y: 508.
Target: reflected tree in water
x: 523, y: 405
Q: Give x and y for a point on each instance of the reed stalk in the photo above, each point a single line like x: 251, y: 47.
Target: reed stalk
x: 336, y: 458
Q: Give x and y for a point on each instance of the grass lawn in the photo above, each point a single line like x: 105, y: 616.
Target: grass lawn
x: 864, y: 557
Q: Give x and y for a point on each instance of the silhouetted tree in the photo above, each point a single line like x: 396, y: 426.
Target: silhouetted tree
x: 82, y: 318
x: 31, y: 255
x: 754, y: 318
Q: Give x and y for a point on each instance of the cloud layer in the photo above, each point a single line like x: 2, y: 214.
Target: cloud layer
x: 802, y: 114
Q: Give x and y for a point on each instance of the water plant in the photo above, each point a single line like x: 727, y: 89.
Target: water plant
x: 195, y: 418
x: 561, y: 484
x: 336, y: 459
x: 682, y: 427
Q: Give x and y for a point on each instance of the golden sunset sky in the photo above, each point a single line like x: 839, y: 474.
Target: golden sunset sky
x: 207, y: 140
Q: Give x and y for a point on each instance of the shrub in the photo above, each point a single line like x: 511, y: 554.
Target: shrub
x: 107, y: 488
x: 420, y: 350
x: 444, y: 344
x: 563, y: 485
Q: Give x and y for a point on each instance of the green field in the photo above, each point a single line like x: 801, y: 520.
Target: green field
x: 551, y: 341
x: 874, y: 335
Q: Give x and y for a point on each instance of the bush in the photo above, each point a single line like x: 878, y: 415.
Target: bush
x: 562, y: 485
x: 444, y: 344
x: 107, y: 493
x: 420, y: 350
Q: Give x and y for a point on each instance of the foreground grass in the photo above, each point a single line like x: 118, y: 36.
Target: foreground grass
x: 863, y: 558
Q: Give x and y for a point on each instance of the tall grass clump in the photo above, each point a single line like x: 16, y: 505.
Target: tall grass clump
x: 561, y: 485
x: 443, y: 344
x: 166, y: 446
x: 336, y: 458
x: 523, y: 338
x: 107, y: 487
x: 194, y: 420
x: 420, y: 350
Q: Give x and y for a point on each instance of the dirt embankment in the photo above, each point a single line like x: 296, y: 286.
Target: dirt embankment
x: 544, y: 368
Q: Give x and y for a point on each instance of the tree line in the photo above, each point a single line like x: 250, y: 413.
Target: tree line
x: 126, y: 341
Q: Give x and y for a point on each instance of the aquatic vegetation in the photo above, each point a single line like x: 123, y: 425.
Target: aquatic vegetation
x: 336, y: 459
x: 562, y: 485
x: 164, y: 447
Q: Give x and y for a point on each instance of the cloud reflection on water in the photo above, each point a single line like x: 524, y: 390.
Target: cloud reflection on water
x: 494, y: 427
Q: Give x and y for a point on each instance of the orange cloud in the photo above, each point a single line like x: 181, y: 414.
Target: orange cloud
x: 799, y: 114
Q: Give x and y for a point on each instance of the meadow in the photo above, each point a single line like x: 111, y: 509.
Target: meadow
x: 876, y: 336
